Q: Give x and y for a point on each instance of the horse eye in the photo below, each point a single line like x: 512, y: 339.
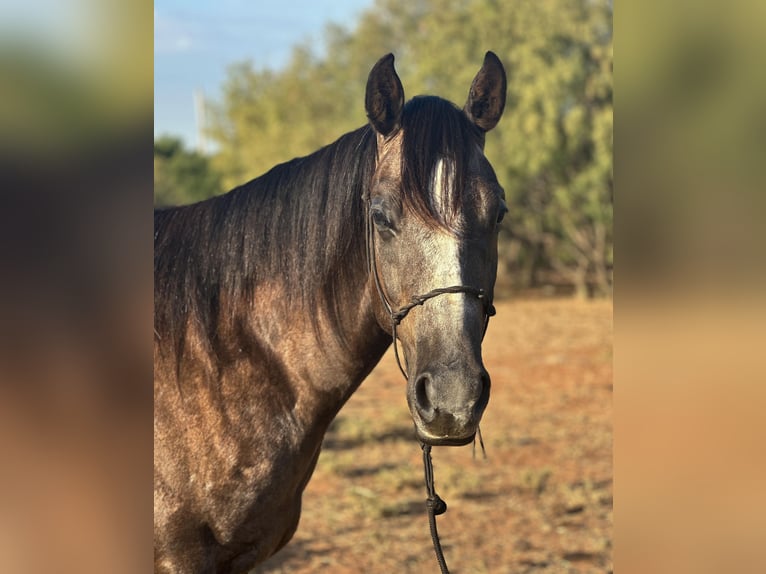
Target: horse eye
x: 381, y: 221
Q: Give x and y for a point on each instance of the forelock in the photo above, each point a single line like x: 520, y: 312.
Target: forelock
x: 437, y: 142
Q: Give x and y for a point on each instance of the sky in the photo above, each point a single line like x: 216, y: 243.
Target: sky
x: 196, y: 40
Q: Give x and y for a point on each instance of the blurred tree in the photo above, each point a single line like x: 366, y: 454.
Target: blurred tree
x: 552, y: 151
x: 182, y: 176
x: 555, y: 152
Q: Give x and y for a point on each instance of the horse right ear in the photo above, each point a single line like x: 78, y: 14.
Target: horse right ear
x: 384, y: 99
x: 486, y: 99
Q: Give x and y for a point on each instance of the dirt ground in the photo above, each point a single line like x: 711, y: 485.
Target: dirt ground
x: 541, y: 502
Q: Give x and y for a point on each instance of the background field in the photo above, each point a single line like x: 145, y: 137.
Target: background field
x: 540, y: 502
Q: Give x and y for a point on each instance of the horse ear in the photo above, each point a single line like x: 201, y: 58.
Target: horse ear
x: 384, y: 99
x: 486, y: 98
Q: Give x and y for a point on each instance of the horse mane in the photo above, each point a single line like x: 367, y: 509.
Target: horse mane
x: 294, y: 225
x: 299, y: 225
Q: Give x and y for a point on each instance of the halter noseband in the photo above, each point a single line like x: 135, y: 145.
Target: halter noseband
x: 397, y: 315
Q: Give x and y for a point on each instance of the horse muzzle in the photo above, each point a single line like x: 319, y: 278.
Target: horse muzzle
x: 446, y: 407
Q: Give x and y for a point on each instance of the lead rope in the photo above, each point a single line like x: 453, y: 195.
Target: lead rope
x: 434, y: 504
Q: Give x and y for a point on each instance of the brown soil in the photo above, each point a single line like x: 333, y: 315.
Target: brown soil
x: 540, y: 502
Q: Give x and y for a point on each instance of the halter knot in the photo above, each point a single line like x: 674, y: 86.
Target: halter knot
x: 436, y: 504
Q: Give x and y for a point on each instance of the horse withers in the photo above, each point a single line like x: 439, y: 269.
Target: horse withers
x: 274, y: 301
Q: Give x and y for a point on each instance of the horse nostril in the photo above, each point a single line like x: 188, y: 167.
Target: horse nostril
x: 422, y: 399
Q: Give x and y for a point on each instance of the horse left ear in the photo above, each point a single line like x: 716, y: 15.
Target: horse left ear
x: 384, y: 99
x: 486, y: 98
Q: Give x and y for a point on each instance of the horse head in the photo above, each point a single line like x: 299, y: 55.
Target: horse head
x: 433, y: 212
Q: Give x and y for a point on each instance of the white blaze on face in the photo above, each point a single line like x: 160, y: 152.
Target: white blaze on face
x: 444, y: 249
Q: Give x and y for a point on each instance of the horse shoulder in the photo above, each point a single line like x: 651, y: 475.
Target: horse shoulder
x: 230, y: 460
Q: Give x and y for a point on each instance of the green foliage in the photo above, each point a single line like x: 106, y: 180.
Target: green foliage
x: 182, y: 176
x: 552, y: 150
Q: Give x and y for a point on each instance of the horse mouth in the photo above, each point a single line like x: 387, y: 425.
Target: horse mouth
x: 432, y: 440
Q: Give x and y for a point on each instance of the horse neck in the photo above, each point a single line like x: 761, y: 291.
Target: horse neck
x: 266, y: 288
x: 329, y: 336
x: 346, y: 342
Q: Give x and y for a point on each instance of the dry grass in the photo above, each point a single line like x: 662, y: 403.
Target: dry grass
x: 540, y: 502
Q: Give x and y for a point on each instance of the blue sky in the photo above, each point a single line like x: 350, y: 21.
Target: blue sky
x: 196, y: 40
